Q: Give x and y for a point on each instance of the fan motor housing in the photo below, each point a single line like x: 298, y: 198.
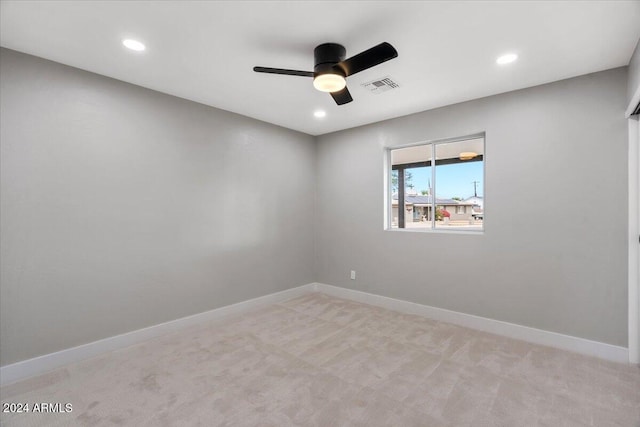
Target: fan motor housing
x: 326, y: 56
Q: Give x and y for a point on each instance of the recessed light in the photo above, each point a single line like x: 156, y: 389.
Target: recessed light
x: 133, y: 45
x: 506, y: 59
x: 320, y: 114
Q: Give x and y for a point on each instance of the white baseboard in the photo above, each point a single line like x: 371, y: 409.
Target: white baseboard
x: 39, y: 365
x: 511, y: 330
x: 48, y: 362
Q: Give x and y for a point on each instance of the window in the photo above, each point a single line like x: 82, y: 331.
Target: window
x: 445, y: 195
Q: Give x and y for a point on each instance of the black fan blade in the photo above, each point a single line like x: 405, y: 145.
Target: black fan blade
x: 367, y: 59
x: 283, y: 71
x: 342, y: 96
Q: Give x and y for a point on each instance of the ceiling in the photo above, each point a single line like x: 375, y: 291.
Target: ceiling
x: 205, y: 51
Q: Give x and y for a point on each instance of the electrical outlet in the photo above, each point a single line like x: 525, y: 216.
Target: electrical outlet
x: 353, y: 275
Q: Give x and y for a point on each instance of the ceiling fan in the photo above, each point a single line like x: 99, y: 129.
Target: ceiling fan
x: 331, y: 69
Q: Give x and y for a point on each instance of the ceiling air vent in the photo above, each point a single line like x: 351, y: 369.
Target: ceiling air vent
x: 380, y: 85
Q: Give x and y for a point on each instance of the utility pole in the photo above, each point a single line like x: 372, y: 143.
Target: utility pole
x: 475, y: 192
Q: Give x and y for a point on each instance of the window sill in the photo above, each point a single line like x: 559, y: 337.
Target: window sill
x: 434, y: 230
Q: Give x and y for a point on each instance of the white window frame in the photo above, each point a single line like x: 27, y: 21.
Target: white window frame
x: 388, y: 197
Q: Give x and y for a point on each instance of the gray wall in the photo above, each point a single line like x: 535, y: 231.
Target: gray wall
x: 123, y: 207
x: 554, y: 252
x: 634, y: 73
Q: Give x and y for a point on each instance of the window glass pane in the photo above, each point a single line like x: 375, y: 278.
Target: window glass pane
x: 417, y: 211
x: 459, y: 185
x: 415, y: 164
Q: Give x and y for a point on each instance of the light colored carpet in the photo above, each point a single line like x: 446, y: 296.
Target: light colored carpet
x: 321, y: 361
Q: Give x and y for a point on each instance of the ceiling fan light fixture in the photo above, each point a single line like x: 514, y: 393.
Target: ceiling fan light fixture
x: 330, y: 67
x: 468, y: 155
x: 329, y: 82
